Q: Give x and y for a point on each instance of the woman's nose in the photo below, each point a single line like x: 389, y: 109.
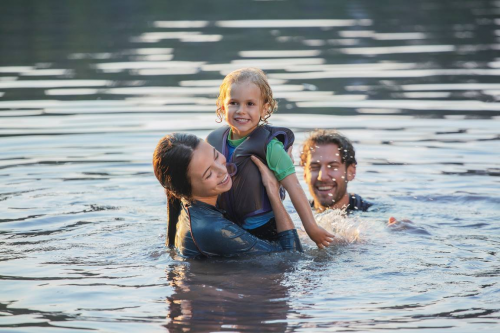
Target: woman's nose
x: 221, y: 165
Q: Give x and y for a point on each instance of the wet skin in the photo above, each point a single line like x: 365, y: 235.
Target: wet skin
x: 327, y: 177
x: 243, y: 108
x: 208, y: 174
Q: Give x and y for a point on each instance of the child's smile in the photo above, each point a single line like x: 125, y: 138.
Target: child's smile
x: 243, y: 108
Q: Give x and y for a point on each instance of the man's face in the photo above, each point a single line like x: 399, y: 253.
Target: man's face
x: 327, y: 176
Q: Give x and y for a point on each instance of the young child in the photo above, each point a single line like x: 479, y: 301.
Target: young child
x: 246, y: 103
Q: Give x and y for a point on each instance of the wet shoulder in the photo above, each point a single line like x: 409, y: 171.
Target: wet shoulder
x: 356, y: 202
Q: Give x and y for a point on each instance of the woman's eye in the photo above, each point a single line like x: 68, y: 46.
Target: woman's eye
x: 210, y: 174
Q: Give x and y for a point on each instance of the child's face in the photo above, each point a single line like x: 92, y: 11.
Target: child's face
x: 243, y: 108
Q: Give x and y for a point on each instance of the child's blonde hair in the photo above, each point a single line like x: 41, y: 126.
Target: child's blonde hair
x: 249, y: 74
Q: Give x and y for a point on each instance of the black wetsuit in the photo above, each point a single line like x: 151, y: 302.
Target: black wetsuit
x: 355, y: 203
x: 202, y: 230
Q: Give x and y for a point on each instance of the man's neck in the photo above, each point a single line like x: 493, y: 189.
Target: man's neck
x: 342, y: 203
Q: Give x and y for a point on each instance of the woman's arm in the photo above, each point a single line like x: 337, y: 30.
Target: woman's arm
x: 215, y: 235
x: 319, y: 235
x: 283, y: 220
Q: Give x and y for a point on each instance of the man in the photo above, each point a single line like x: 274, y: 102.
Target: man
x: 329, y: 163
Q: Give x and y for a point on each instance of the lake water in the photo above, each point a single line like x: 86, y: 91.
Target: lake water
x: 87, y: 89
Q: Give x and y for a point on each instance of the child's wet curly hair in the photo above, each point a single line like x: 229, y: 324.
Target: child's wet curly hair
x: 249, y: 74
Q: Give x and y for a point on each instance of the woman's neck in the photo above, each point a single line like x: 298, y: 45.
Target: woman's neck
x: 208, y: 200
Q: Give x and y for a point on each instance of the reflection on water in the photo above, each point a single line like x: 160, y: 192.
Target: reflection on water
x: 87, y: 89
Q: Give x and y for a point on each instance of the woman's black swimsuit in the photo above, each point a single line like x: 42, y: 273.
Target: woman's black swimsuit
x: 202, y: 230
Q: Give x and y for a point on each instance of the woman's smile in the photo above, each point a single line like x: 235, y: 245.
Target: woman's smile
x: 225, y: 180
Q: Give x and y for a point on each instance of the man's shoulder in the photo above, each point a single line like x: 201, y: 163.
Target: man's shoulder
x: 356, y: 202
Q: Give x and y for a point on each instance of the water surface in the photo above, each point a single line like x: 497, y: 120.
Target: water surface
x: 87, y: 89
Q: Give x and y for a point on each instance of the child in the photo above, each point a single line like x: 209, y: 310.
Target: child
x: 246, y: 102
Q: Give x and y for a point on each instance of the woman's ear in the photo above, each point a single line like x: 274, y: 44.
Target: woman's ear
x: 351, y: 172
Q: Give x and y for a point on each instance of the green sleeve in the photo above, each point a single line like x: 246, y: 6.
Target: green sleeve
x: 278, y: 160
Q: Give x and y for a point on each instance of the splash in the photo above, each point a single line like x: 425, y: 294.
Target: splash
x: 346, y: 230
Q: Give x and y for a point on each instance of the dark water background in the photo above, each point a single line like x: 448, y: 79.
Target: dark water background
x: 87, y: 88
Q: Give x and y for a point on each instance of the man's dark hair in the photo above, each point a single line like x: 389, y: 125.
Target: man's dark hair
x: 324, y: 137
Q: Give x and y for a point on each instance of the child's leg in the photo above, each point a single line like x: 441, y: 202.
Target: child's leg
x: 267, y: 231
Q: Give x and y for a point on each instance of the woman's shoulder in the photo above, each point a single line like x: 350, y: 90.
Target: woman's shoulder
x: 203, y: 215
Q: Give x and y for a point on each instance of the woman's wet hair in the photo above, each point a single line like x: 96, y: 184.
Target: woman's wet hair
x: 324, y: 137
x: 171, y: 160
x: 249, y: 74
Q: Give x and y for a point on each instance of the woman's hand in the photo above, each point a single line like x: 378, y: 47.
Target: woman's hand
x: 268, y: 179
x: 283, y: 220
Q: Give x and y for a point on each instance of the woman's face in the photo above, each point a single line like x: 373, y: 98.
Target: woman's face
x: 207, y: 172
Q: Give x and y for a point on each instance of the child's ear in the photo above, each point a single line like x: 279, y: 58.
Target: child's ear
x: 351, y: 172
x: 265, y: 111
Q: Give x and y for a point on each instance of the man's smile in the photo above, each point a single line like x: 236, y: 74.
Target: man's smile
x: 325, y: 187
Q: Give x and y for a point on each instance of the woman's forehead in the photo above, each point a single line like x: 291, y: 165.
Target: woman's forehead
x: 202, y: 158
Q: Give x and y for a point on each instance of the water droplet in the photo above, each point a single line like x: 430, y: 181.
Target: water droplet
x: 329, y: 194
x: 355, y: 207
x: 337, y: 155
x: 335, y: 169
x: 342, y: 177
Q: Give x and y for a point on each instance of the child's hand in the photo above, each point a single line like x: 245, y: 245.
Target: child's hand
x: 268, y: 179
x: 320, y: 236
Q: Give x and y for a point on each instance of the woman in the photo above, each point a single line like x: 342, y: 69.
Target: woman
x: 194, y: 174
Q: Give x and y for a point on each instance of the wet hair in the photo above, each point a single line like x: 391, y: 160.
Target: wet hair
x: 249, y: 74
x: 171, y: 160
x: 324, y: 137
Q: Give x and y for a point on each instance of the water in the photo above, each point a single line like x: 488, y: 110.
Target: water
x: 88, y: 88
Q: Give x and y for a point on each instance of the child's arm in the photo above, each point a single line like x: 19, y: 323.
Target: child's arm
x: 319, y: 235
